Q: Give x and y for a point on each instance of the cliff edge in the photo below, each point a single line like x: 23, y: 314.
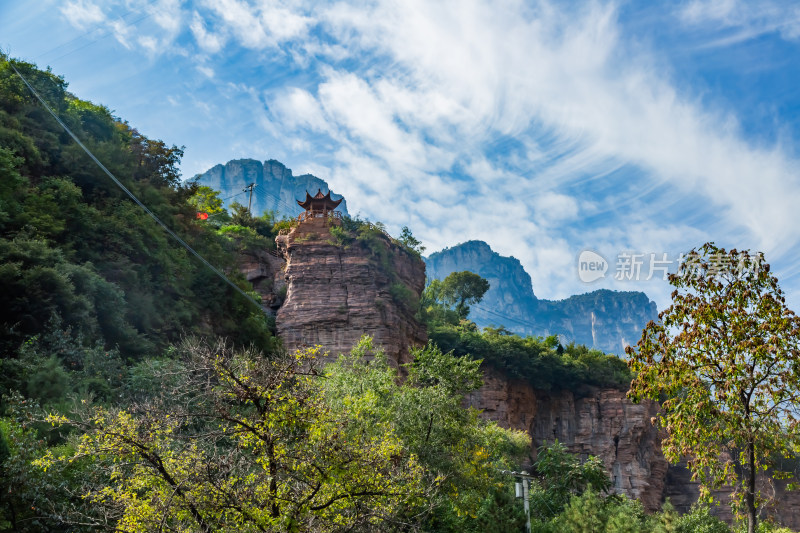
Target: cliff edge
x: 339, y: 288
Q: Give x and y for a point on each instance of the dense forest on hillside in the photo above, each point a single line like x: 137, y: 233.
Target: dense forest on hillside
x: 79, y: 256
x: 141, y: 393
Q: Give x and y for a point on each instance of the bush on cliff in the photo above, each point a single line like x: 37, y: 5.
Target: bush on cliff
x: 543, y: 362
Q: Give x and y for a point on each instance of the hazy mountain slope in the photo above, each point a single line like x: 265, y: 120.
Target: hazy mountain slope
x: 604, y: 319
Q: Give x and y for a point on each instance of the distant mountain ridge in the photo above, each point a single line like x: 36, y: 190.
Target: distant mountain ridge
x: 276, y: 188
x: 603, y: 319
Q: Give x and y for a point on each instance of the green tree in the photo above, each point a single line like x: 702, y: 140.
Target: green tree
x: 591, y: 512
x: 207, y: 200
x: 408, y: 240
x: 463, y: 289
x: 560, y: 475
x: 239, y: 442
x: 724, y: 360
x: 31, y: 499
x: 460, y: 453
x: 700, y: 520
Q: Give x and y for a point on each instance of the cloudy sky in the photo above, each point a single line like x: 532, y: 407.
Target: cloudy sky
x: 542, y: 128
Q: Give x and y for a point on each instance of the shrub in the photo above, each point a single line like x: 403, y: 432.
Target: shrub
x: 543, y: 362
x: 245, y: 238
x: 700, y: 520
x: 403, y: 295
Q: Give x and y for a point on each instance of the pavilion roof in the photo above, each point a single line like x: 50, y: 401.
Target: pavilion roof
x: 319, y: 202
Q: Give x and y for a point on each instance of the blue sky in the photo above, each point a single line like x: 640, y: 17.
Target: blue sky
x: 542, y: 128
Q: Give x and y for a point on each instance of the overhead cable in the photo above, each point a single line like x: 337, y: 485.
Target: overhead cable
x: 132, y: 196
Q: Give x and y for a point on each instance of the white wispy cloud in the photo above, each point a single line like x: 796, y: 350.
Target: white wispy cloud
x: 748, y: 19
x: 511, y: 122
x: 83, y: 13
x: 208, y: 41
x: 151, y: 27
x: 261, y: 24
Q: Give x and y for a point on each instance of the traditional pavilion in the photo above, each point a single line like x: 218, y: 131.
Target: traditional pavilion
x: 319, y: 203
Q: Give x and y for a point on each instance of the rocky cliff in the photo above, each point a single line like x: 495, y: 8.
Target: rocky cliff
x: 603, y: 319
x: 336, y: 293
x: 602, y: 423
x: 276, y: 187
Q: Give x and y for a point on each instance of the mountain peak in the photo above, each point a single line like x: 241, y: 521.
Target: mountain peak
x: 276, y: 188
x: 604, y: 319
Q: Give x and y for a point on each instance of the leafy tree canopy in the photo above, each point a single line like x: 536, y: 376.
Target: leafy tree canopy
x: 458, y: 291
x: 408, y: 240
x: 543, y: 362
x: 239, y: 442
x: 724, y: 359
x: 461, y: 454
x: 207, y: 200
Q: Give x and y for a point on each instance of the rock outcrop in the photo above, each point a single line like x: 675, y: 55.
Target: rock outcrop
x: 265, y: 271
x: 337, y: 293
x: 603, y: 319
x: 603, y: 423
x: 276, y: 188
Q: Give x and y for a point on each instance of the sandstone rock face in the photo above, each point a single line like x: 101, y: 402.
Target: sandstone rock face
x: 335, y: 294
x: 784, y: 505
x: 265, y: 271
x: 276, y: 187
x: 603, y: 319
x: 604, y: 423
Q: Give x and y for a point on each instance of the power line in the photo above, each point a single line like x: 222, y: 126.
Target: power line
x: 234, y: 196
x: 504, y: 316
x: 131, y: 195
x: 264, y: 195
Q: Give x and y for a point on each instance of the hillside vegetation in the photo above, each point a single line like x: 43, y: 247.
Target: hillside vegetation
x: 544, y: 362
x: 78, y: 256
x: 121, y: 411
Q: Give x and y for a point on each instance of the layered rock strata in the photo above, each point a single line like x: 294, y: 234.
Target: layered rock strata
x: 603, y: 423
x: 335, y: 293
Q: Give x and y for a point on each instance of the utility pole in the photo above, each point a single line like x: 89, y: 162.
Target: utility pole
x: 250, y: 202
x: 522, y: 489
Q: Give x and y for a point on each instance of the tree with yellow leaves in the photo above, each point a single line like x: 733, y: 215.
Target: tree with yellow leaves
x: 238, y: 442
